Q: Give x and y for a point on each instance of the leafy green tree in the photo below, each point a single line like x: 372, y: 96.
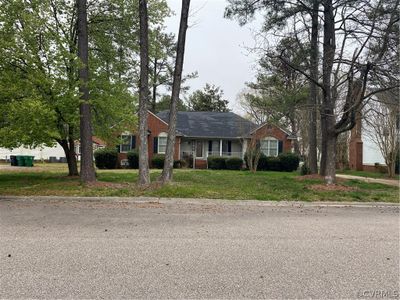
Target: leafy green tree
x: 358, y: 38
x: 279, y: 93
x: 208, y: 99
x: 165, y: 102
x: 39, y: 68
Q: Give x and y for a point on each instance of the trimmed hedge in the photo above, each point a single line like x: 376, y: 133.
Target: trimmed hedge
x: 133, y: 159
x: 106, y: 158
x: 274, y: 164
x: 284, y: 162
x: 216, y: 162
x: 262, y: 162
x: 289, y: 161
x: 158, y: 161
x: 234, y: 163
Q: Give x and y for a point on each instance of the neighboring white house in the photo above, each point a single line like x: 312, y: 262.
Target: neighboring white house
x: 371, y: 152
x: 44, y: 153
x: 40, y: 153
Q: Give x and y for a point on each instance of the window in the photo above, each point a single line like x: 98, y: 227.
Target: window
x: 125, y: 143
x: 162, y: 143
x: 226, y: 147
x: 199, y: 149
x: 269, y: 146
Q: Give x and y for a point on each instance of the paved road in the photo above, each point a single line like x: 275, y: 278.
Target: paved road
x: 106, y: 249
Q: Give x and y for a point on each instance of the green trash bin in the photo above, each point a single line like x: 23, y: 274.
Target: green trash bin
x: 28, y: 161
x: 20, y: 160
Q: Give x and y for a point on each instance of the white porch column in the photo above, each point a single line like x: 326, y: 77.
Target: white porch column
x: 244, y: 147
x: 220, y: 147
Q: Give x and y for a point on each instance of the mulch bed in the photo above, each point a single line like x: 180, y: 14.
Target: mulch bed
x: 311, y: 176
x: 331, y: 187
x: 316, y: 177
x: 326, y: 187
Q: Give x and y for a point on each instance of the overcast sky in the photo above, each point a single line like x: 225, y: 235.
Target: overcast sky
x: 215, y: 47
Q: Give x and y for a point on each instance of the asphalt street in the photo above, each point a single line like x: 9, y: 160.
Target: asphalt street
x: 111, y: 249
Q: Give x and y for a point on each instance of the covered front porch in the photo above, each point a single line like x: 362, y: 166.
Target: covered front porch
x: 196, y: 150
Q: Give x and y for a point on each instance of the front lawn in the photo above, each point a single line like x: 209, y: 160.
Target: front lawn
x: 50, y: 179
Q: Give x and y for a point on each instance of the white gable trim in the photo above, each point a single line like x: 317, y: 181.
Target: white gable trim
x: 154, y: 115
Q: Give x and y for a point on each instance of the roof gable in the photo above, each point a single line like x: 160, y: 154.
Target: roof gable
x: 266, y: 124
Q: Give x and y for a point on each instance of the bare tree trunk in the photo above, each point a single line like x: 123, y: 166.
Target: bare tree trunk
x: 322, y: 165
x: 296, y: 146
x: 154, y: 94
x: 330, y: 171
x: 87, y: 169
x: 328, y: 121
x: 69, y: 150
x: 391, y: 166
x: 166, y: 175
x: 144, y: 176
x: 312, y: 125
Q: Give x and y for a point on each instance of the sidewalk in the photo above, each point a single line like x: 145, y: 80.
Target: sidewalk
x: 392, y: 182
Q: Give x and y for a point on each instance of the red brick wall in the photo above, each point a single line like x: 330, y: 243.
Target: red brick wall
x: 156, y: 126
x: 273, y: 131
x: 201, y: 164
x: 373, y: 168
x: 356, y: 154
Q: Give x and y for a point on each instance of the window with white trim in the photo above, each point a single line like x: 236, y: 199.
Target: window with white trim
x: 125, y: 145
x: 162, y: 143
x: 269, y: 146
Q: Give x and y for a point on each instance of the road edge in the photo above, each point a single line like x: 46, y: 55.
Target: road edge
x: 200, y: 201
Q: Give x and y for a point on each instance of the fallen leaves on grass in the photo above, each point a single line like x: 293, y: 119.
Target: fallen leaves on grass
x: 104, y: 184
x: 311, y: 176
x: 331, y: 187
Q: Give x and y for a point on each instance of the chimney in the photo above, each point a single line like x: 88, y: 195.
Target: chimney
x: 356, y: 145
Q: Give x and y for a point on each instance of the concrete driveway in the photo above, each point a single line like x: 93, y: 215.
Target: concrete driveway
x: 65, y: 248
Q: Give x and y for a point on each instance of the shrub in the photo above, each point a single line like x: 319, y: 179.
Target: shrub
x: 273, y: 163
x: 158, y: 161
x: 304, y: 170
x: 133, y: 159
x: 284, y: 162
x: 106, y: 158
x: 179, y: 164
x: 289, y: 162
x: 216, y: 162
x: 262, y: 162
x: 234, y: 163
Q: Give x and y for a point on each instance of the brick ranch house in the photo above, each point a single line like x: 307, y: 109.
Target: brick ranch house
x: 208, y: 133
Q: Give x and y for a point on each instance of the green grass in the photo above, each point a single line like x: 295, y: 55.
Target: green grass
x: 51, y: 179
x: 367, y: 174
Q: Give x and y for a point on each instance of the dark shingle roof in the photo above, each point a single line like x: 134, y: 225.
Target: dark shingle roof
x: 210, y: 124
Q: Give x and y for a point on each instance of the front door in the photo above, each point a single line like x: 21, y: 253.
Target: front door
x: 199, y: 149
